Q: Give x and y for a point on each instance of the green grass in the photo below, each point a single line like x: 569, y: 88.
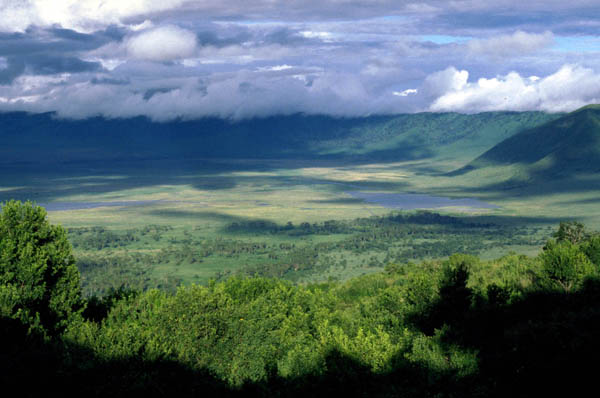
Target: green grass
x: 203, y: 202
x: 199, y: 198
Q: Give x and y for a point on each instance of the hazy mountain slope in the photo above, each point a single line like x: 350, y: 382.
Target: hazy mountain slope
x: 447, y: 135
x: 563, y: 147
x: 41, y: 137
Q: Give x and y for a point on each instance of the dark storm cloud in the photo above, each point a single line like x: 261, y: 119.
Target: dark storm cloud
x: 56, y: 40
x: 14, y: 67
x: 49, y: 51
x: 44, y: 64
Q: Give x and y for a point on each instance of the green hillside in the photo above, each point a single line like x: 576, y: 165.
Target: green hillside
x: 440, y: 135
x: 563, y: 147
x: 44, y: 138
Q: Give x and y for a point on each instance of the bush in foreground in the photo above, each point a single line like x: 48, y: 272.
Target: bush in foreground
x: 39, y: 281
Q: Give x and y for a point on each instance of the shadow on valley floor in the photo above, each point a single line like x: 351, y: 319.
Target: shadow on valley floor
x: 47, y: 184
x: 340, y: 201
x: 515, y: 188
x: 202, y: 216
x: 239, y: 225
x: 580, y: 201
x: 512, y: 220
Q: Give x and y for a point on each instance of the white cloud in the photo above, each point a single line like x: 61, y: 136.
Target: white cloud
x: 109, y: 64
x: 243, y: 54
x: 24, y: 99
x: 162, y: 44
x: 80, y: 15
x: 316, y: 35
x: 89, y: 15
x: 518, y: 43
x: 29, y: 83
x: 242, y: 94
x: 445, y: 81
x: 16, y: 15
x: 405, y: 93
x: 571, y: 87
x: 246, y: 74
x: 147, y: 24
x: 275, y: 68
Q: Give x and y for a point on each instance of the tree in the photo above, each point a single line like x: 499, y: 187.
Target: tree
x: 571, y: 231
x: 591, y: 248
x: 564, y: 264
x: 39, y: 281
x: 455, y: 295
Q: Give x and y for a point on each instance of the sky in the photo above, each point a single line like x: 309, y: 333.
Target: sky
x: 237, y: 59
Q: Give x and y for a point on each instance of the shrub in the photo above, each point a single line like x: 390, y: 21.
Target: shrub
x: 39, y: 281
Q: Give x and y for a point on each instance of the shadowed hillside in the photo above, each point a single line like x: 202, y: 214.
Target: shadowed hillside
x: 44, y: 138
x: 559, y: 148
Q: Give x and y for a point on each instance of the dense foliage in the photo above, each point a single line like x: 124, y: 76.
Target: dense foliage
x: 457, y: 327
x: 39, y: 282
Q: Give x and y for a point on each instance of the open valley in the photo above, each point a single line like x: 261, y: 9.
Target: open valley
x: 273, y: 199
x: 210, y: 218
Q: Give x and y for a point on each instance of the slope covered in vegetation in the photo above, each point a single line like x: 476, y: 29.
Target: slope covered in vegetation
x: 559, y: 148
x: 516, y: 326
x: 35, y: 138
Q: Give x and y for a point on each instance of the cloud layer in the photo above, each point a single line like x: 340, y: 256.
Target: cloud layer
x: 516, y: 44
x: 239, y: 59
x: 569, y: 88
x: 165, y: 43
x: 89, y: 15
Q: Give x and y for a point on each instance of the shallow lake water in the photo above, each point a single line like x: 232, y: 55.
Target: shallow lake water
x: 397, y: 201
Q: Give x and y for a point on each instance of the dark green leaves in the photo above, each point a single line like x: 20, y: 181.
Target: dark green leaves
x: 39, y: 282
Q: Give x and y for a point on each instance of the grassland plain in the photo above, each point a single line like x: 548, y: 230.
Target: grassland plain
x: 199, y: 208
x: 183, y: 212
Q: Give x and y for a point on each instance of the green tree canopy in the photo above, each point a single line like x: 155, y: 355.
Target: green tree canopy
x: 565, y: 265
x: 571, y: 231
x: 39, y: 281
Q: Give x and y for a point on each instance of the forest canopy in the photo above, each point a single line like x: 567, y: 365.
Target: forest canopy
x: 460, y: 326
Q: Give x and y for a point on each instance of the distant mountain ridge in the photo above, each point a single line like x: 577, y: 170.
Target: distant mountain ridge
x: 44, y: 138
x: 560, y: 147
